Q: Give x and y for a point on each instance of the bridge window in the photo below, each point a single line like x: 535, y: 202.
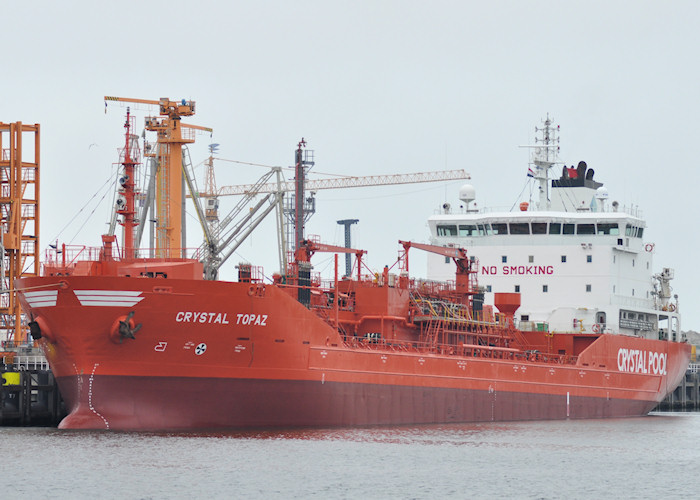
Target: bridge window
x: 467, y: 230
x: 539, y: 228
x: 585, y: 229
x: 640, y: 231
x: 447, y: 230
x: 631, y: 231
x: 608, y: 228
x: 569, y: 229
x: 520, y: 228
x: 499, y: 228
x: 555, y: 228
x: 483, y: 230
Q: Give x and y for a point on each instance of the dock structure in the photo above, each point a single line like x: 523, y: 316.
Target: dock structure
x: 29, y: 394
x: 687, y: 394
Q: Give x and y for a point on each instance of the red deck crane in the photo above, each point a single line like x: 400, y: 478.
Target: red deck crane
x: 466, y: 269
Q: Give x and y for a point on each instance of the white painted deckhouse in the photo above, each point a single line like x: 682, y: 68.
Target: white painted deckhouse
x: 580, y: 263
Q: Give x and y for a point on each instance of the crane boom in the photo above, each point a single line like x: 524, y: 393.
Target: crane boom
x: 173, y: 109
x: 197, y: 127
x: 308, y: 248
x: 455, y: 253
x: 348, y: 182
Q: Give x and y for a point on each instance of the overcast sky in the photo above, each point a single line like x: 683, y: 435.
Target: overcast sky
x: 375, y: 87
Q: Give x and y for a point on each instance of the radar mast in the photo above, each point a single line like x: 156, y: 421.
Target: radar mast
x: 545, y: 155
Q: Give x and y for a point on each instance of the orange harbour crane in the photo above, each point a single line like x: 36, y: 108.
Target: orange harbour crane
x: 19, y: 219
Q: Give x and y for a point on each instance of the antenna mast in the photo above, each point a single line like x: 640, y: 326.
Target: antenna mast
x: 545, y: 154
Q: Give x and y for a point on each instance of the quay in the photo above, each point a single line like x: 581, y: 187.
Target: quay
x: 29, y: 394
x: 687, y: 394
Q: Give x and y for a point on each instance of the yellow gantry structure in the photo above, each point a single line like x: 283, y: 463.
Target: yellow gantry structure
x: 172, y: 135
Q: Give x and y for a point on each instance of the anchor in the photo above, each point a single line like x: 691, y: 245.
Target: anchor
x: 125, y: 329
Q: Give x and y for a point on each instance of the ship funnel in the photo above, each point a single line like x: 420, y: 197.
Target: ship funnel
x: 507, y: 304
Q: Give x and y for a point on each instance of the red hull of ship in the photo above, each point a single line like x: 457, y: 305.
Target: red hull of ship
x: 137, y: 403
x: 253, y: 356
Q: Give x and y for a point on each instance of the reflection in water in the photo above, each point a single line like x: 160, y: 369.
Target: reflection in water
x: 574, y: 458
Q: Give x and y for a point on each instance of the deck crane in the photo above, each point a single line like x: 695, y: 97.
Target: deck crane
x: 307, y: 248
x: 172, y: 136
x: 466, y: 267
x: 301, y: 276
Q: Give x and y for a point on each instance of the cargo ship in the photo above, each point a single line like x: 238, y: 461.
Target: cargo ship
x: 156, y: 343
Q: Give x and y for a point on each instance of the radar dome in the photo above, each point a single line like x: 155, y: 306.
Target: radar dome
x: 601, y: 193
x: 467, y: 193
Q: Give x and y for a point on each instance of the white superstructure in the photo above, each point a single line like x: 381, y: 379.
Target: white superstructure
x: 580, y: 263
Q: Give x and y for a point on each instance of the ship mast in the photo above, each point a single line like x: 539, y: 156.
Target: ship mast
x: 126, y: 206
x: 545, y: 155
x: 303, y: 208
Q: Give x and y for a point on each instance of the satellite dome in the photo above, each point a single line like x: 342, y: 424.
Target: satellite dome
x: 601, y: 193
x: 467, y: 193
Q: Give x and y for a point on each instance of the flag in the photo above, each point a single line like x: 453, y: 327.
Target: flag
x: 530, y: 172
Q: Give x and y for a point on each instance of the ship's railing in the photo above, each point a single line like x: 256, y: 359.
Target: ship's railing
x: 631, y: 210
x: 621, y: 300
x: 68, y: 255
x: 31, y: 363
x: 19, y: 362
x: 467, y: 351
x: 423, y: 287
